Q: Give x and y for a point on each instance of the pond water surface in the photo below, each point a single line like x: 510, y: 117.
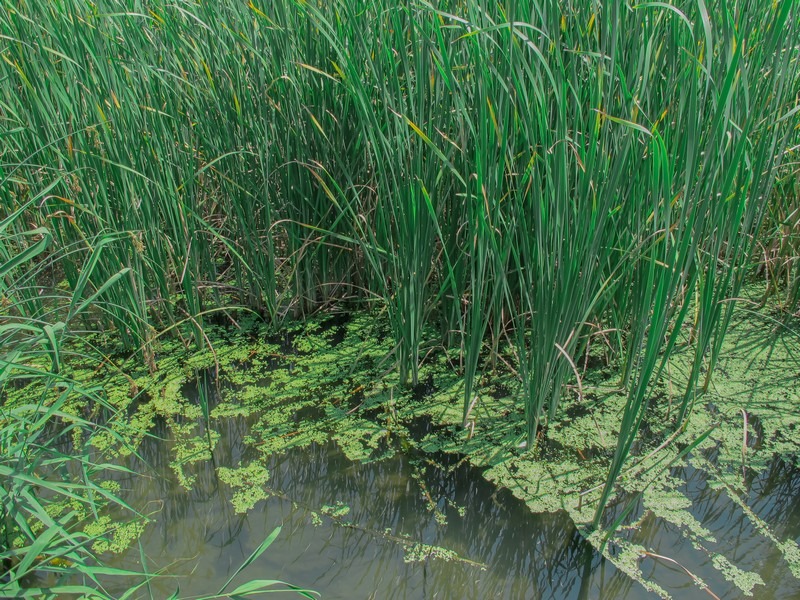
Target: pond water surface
x: 503, y: 550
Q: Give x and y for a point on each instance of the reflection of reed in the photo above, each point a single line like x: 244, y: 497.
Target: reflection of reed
x: 772, y: 497
x: 528, y: 555
x: 196, y: 530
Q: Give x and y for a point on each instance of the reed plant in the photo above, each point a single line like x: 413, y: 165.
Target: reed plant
x: 51, y: 479
x: 54, y: 482
x: 777, y: 255
x: 535, y: 169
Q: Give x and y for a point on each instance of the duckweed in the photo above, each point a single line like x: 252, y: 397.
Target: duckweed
x: 312, y: 391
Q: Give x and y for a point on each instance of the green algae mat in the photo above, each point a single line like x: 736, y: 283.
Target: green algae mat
x: 332, y: 378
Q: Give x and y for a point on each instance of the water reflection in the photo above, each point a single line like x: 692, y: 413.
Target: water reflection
x: 197, y: 533
x: 730, y: 531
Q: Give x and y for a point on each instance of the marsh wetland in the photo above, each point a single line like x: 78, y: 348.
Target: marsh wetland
x: 376, y: 299
x: 382, y: 493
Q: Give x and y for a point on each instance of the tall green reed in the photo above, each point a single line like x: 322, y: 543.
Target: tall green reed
x: 53, y: 480
x: 534, y: 169
x: 715, y: 167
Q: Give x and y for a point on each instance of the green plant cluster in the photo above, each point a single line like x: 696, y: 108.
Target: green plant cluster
x: 539, y: 176
x: 61, y: 509
x: 54, y: 487
x: 745, y: 427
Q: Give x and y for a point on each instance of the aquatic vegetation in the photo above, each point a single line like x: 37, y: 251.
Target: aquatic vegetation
x: 488, y: 196
x: 51, y: 492
x: 430, y: 184
x: 335, y: 511
x: 249, y: 484
x: 338, y: 392
x: 744, y: 580
x: 422, y: 552
x: 115, y: 538
x: 62, y: 508
x: 565, y: 473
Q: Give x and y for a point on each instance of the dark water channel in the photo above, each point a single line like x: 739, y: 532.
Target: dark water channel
x: 198, y: 538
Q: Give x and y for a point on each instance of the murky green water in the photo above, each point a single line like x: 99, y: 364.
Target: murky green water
x: 198, y: 534
x: 198, y: 538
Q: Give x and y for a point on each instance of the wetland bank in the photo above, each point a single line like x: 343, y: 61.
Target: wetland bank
x: 451, y: 299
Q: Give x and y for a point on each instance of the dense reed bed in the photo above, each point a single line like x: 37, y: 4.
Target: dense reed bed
x: 58, y: 489
x: 540, y: 172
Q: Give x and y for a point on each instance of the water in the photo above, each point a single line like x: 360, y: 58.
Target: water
x: 196, y: 534
x: 199, y: 540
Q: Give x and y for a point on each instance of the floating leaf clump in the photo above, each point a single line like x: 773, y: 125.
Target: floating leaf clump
x: 249, y: 485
